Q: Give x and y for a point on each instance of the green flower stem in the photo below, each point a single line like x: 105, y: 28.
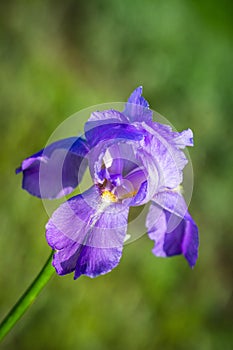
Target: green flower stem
x: 27, y: 298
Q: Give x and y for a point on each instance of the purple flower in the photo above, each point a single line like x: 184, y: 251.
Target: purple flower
x: 132, y: 160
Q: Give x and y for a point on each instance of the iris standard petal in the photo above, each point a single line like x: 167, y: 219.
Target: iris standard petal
x: 150, y: 168
x: 55, y: 170
x: 182, y: 240
x: 178, y: 139
x: 137, y: 108
x: 119, y: 154
x: 169, y: 159
x: 86, y: 229
x: 125, y: 164
x: 109, y: 131
x: 104, y: 117
x: 113, y: 160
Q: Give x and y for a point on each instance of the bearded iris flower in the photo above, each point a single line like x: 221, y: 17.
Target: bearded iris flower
x: 132, y: 161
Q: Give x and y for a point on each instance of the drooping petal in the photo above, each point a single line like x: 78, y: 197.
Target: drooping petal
x: 88, y: 233
x: 55, y: 170
x: 85, y: 260
x: 156, y: 228
x: 93, y: 262
x: 137, y: 108
x: 183, y: 239
x: 172, y: 201
x: 65, y: 260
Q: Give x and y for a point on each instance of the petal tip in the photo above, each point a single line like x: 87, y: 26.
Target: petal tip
x: 18, y: 170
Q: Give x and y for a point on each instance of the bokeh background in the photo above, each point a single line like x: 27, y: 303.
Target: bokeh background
x: 57, y: 57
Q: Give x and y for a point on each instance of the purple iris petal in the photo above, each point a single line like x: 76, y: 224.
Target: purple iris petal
x: 113, y: 160
x: 170, y: 160
x: 115, y: 179
x: 105, y: 117
x: 116, y: 131
x: 93, y: 262
x: 65, y: 260
x: 137, y: 108
x: 172, y: 201
x: 136, y: 183
x: 136, y: 178
x: 139, y: 198
x: 137, y: 98
x: 86, y: 260
x: 55, y: 170
x: 150, y: 170
x: 84, y: 229
x: 124, y: 157
x: 132, y: 160
x: 178, y: 139
x: 182, y: 240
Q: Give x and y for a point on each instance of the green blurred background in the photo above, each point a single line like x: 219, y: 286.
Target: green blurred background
x: 57, y: 57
